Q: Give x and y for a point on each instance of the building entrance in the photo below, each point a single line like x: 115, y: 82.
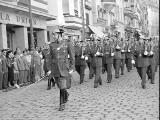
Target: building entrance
x: 10, y: 33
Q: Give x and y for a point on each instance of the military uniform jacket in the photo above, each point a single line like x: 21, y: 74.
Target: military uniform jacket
x: 152, y: 58
x: 140, y: 59
x: 117, y: 54
x: 78, y: 54
x: 59, y: 58
x: 46, y: 57
x: 97, y: 60
x: 108, y: 49
x: 123, y: 47
x: 88, y: 52
x: 129, y: 52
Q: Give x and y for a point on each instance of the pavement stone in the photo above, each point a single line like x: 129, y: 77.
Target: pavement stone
x: 122, y: 99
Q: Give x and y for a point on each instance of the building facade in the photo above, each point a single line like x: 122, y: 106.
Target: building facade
x: 15, y: 26
x: 153, y: 17
x: 69, y: 17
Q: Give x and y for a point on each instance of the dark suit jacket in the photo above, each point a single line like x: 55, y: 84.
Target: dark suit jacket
x: 4, y: 64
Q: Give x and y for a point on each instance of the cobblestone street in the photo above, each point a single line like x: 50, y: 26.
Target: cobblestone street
x: 123, y: 99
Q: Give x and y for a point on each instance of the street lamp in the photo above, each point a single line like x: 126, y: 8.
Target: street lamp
x: 83, y: 22
x: 31, y: 26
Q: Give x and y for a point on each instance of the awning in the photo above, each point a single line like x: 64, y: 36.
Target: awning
x: 96, y: 31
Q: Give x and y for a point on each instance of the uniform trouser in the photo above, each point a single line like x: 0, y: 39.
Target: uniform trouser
x: 142, y: 73
x: 122, y: 66
x: 108, y: 68
x: 80, y: 69
x: 91, y: 71
x: 117, y: 64
x: 5, y: 80
x: 63, y: 93
x: 21, y: 76
x: 151, y: 72
x: 129, y: 64
x: 51, y: 80
x: 1, y: 80
x: 97, y: 72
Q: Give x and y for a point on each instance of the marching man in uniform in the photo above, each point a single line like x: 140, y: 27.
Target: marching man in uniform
x: 108, y: 57
x: 97, y: 53
x: 60, y: 48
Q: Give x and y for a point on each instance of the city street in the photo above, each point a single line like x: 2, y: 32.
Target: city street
x: 123, y: 99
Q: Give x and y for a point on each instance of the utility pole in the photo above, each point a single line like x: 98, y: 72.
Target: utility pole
x: 31, y: 26
x: 83, y: 20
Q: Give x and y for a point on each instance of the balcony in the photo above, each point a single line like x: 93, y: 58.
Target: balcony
x: 101, y: 21
x: 40, y: 5
x: 73, y: 22
x: 88, y: 4
x: 130, y: 13
x: 108, y: 4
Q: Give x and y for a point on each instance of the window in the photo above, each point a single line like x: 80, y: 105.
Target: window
x: 65, y: 4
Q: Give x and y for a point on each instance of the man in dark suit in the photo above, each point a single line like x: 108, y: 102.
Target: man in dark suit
x: 97, y: 53
x: 46, y: 66
x: 108, y: 56
x: 4, y: 70
x: 59, y: 51
x: 141, y: 63
x: 80, y: 63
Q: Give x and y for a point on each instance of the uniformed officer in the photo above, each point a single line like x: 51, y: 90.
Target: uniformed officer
x: 151, y: 60
x: 59, y: 51
x: 80, y: 62
x: 129, y: 56
x: 46, y: 66
x: 141, y: 63
x: 108, y: 57
x: 123, y: 51
x: 90, y: 57
x: 117, y: 57
x: 97, y: 53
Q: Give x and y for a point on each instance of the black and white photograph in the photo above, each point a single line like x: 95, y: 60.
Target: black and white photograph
x: 79, y: 59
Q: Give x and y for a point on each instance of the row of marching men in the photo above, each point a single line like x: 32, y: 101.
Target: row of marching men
x: 101, y: 54
x: 19, y: 68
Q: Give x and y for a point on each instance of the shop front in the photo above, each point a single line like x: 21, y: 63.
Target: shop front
x: 15, y: 29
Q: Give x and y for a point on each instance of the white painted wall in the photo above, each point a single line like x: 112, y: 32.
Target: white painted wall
x: 55, y: 8
x: 153, y: 21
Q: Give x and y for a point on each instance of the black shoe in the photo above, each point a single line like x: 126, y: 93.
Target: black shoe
x: 100, y: 83
x: 122, y: 73
x: 95, y: 86
x: 116, y: 76
x: 109, y: 81
x: 144, y: 86
x: 49, y: 87
x: 62, y: 107
x: 152, y: 82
